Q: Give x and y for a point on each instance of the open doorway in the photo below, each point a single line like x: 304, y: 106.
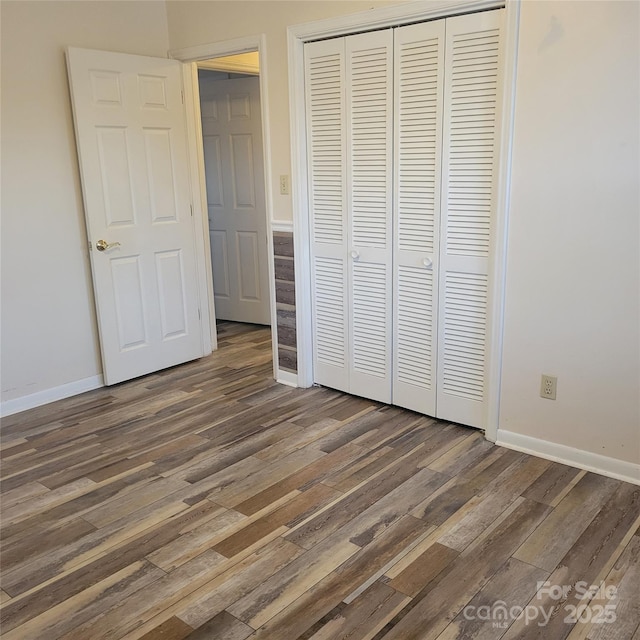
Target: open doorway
x: 229, y: 96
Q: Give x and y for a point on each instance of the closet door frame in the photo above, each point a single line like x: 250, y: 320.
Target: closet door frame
x: 384, y: 17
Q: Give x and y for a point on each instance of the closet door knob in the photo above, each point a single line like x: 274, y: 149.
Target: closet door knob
x: 427, y: 263
x: 355, y: 254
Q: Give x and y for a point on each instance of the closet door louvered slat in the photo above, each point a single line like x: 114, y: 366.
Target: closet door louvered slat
x: 418, y: 77
x: 469, y: 162
x: 326, y: 147
x: 369, y: 99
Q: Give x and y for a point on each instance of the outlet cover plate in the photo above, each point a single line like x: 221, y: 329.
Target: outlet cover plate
x: 548, y: 387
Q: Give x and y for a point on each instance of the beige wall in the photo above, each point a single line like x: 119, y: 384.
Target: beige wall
x: 49, y: 335
x: 195, y: 22
x: 573, y: 278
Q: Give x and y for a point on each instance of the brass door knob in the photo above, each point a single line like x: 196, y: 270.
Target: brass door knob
x: 103, y: 245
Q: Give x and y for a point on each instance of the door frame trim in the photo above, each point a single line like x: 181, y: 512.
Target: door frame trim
x: 381, y: 18
x: 190, y: 56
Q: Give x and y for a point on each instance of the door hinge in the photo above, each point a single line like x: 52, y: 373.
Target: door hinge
x: 182, y: 95
x: 191, y: 207
x: 199, y: 315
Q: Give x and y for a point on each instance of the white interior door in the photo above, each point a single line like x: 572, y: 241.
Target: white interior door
x: 469, y: 169
x: 369, y: 99
x: 132, y: 148
x: 419, y: 71
x: 349, y: 95
x: 326, y: 139
x: 232, y: 138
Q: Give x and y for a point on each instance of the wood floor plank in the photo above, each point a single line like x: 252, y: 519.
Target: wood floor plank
x: 284, y: 587
x: 625, y: 578
x: 364, y: 617
x: 513, y: 585
x: 494, y: 500
x: 28, y: 604
x: 196, y: 541
x: 465, y: 486
x: 111, y: 463
x: 22, y: 492
x: 431, y: 611
x: 545, y: 550
x: 423, y: 569
x: 266, y: 475
x: 323, y: 597
x: 315, y: 472
x: 295, y: 510
x: 595, y: 551
x: 355, y: 503
x: 362, y: 529
x: 364, y: 466
x: 237, y: 582
x: 224, y: 625
x: 50, y: 578
x: 462, y: 455
x: 36, y: 456
x: 209, y: 501
x: 171, y: 629
x: 96, y: 600
x: 121, y: 507
x: 370, y: 421
x: 75, y: 507
x: 44, y: 539
x: 12, y: 447
x: 215, y: 459
x: 554, y: 484
x: 303, y: 438
x: 132, y: 612
x: 45, y: 501
x: 619, y: 593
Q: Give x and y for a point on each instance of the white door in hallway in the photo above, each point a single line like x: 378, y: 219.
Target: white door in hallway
x: 133, y: 155
x: 232, y: 140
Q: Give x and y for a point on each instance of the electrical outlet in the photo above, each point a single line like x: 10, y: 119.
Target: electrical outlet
x: 284, y: 185
x: 548, y: 387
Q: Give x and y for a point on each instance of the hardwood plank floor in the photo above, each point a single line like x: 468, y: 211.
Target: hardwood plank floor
x: 208, y: 502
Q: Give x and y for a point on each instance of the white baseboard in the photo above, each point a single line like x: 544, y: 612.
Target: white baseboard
x: 288, y: 378
x: 9, y: 407
x: 604, y: 465
x: 282, y: 225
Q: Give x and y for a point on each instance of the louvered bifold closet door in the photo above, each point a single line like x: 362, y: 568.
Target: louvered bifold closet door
x: 469, y: 164
x: 326, y: 148
x: 419, y: 69
x: 369, y: 99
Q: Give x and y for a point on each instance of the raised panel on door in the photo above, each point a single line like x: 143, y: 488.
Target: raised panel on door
x: 369, y: 153
x: 213, y: 171
x: 171, y: 290
x: 115, y: 176
x: 160, y: 174
x: 129, y: 302
x: 220, y: 261
x: 243, y: 179
x: 326, y: 146
x: 232, y: 137
x: 132, y: 148
x: 418, y: 81
x: 247, y: 243
x: 471, y: 117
